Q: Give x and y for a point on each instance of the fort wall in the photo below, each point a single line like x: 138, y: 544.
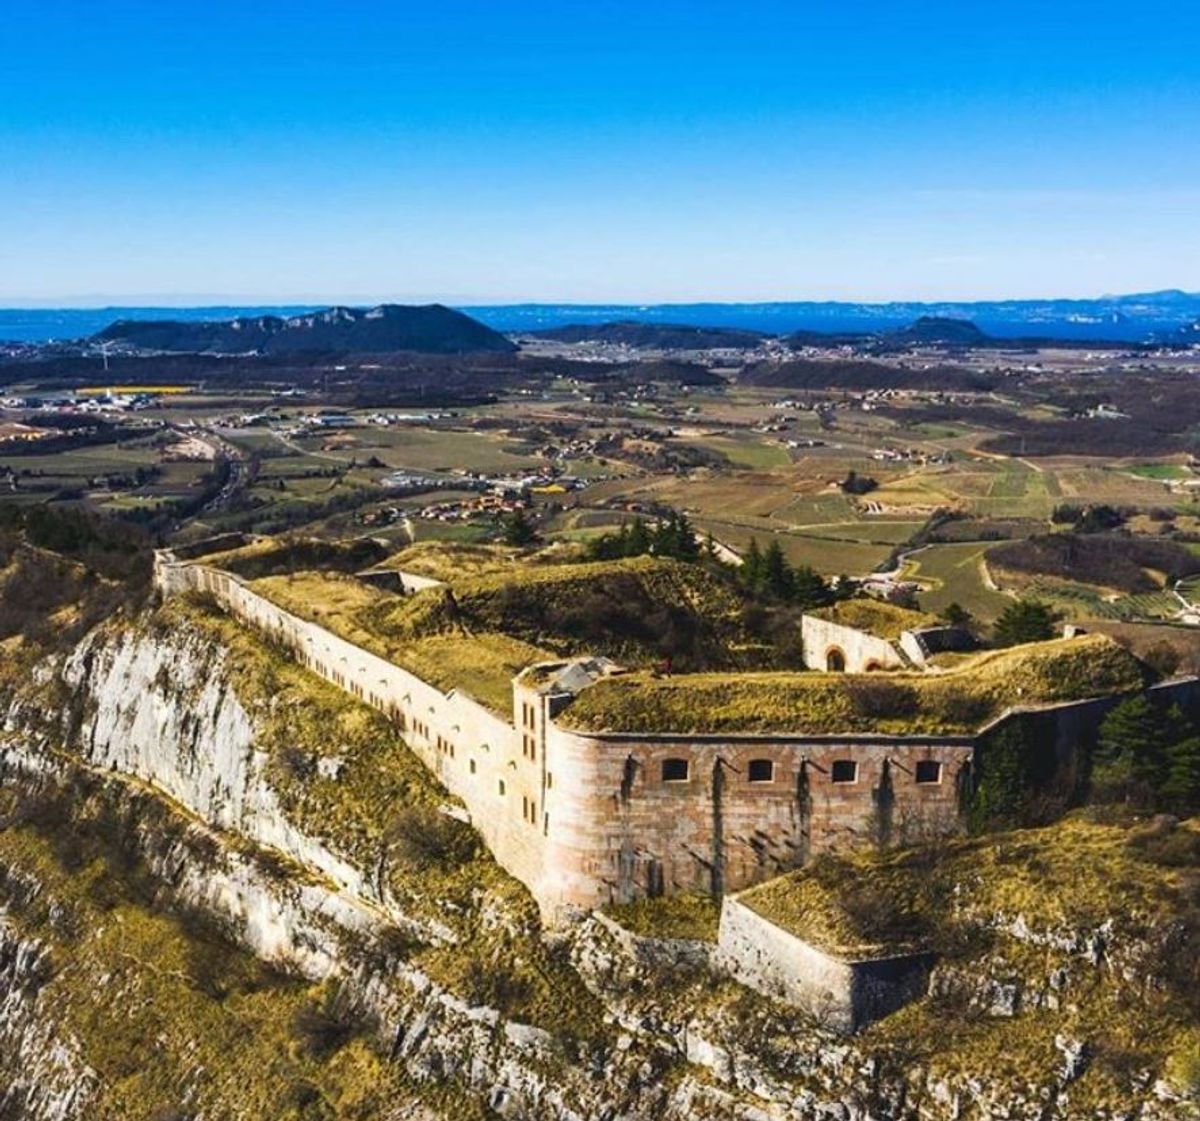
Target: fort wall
x: 845, y: 993
x: 588, y: 819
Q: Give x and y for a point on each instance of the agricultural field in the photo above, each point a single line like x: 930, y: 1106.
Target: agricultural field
x: 698, y: 451
x: 955, y: 574
x: 423, y: 449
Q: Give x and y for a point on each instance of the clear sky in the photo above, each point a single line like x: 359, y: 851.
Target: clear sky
x: 597, y: 150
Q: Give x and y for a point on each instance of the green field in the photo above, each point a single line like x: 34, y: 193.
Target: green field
x: 955, y: 574
x: 755, y: 452
x: 427, y: 449
x: 1165, y: 471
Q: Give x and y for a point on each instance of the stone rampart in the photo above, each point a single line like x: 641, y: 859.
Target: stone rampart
x: 846, y: 993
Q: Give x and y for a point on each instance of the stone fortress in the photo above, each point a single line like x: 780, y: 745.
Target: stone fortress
x: 588, y: 818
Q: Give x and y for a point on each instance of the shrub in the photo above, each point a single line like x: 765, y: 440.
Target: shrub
x: 425, y: 838
x: 1162, y: 842
x: 326, y: 1024
x: 495, y: 986
x: 1183, y: 1068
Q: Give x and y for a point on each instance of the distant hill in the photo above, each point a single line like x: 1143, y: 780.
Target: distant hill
x: 939, y: 330
x: 1189, y: 335
x: 1132, y: 317
x: 664, y: 336
x: 432, y: 329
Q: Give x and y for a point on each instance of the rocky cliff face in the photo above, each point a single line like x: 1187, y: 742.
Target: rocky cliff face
x: 181, y: 805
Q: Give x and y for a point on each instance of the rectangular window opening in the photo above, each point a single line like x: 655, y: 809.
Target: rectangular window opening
x: 675, y: 770
x: 844, y: 770
x: 761, y: 770
x: 929, y: 771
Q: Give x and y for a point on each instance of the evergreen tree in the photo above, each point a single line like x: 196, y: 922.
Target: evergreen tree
x: 518, y: 530
x: 1026, y: 621
x: 686, y: 546
x: 776, y: 572
x: 1129, y: 763
x: 752, y: 567
x: 957, y: 615
x: 1004, y: 763
x: 637, y: 541
x: 809, y: 590
x: 1180, y: 789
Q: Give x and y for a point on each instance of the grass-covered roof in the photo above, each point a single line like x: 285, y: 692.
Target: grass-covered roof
x: 956, y: 702
x: 1076, y: 872
x: 875, y: 616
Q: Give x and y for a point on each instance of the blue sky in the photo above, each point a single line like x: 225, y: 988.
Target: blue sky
x: 597, y: 151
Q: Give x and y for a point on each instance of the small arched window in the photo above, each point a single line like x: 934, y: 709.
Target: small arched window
x: 761, y: 770
x: 675, y: 770
x: 835, y: 660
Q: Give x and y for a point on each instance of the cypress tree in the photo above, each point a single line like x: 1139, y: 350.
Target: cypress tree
x: 752, y: 568
x: 776, y: 572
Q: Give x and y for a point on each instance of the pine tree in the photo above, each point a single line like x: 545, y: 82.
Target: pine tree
x: 957, y: 615
x: 686, y: 546
x: 776, y: 572
x: 518, y: 530
x: 1025, y: 621
x: 1180, y: 789
x: 638, y: 541
x: 752, y: 567
x: 1129, y: 760
x: 809, y: 590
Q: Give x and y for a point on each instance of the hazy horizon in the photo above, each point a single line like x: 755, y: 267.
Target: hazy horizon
x: 202, y: 301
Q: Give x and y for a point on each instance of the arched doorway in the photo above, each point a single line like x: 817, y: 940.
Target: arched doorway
x: 835, y: 660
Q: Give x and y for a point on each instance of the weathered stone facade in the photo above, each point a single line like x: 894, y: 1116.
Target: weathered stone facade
x: 835, y: 648
x: 588, y: 819
x: 844, y: 992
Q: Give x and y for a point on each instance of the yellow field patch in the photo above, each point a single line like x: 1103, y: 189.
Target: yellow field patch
x: 104, y: 390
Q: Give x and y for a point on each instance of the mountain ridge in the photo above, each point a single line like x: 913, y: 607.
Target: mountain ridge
x: 432, y: 328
